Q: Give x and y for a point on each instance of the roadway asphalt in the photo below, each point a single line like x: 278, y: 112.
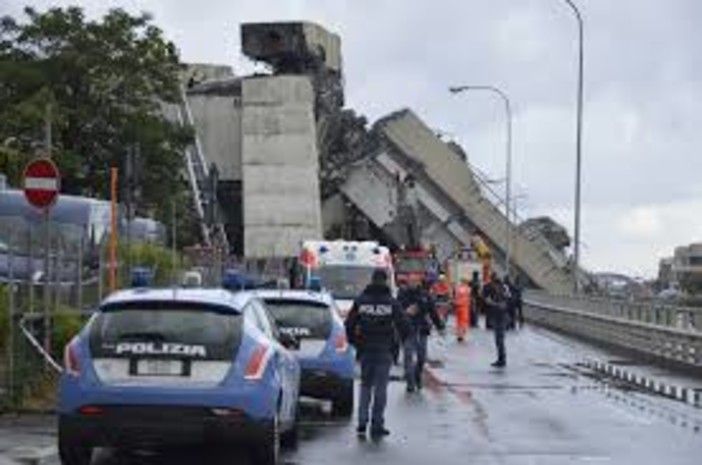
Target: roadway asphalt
x: 545, y: 408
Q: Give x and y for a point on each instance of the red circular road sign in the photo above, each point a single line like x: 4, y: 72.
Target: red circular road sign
x: 42, y: 183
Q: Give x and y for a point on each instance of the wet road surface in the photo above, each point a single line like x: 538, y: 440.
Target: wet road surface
x: 545, y: 408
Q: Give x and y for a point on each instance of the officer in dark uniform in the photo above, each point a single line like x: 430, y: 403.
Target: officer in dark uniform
x: 495, y: 299
x: 515, y: 290
x: 476, y: 301
x: 511, y: 322
x: 419, y: 307
x: 372, y: 326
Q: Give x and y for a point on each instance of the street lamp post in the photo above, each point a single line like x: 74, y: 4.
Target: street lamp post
x: 508, y: 162
x: 579, y: 139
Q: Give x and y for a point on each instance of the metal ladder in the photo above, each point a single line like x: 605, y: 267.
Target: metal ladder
x: 199, y: 176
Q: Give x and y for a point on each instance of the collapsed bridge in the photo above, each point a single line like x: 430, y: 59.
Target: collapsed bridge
x: 294, y: 164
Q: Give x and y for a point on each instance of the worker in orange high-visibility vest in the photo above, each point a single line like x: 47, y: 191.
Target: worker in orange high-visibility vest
x: 462, y: 305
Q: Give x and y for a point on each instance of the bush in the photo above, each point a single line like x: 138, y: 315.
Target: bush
x: 66, y: 325
x: 158, y: 258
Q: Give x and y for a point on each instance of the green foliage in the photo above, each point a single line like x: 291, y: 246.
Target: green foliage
x: 11, y: 164
x: 159, y: 259
x: 67, y: 323
x: 187, y: 232
x: 103, y: 83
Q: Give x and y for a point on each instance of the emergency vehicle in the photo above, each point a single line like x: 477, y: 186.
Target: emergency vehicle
x: 413, y: 263
x: 467, y: 260
x: 168, y: 368
x: 344, y: 268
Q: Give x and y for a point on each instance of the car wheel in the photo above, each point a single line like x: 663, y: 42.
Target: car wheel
x: 267, y: 451
x: 342, y: 405
x: 291, y: 438
x: 73, y: 451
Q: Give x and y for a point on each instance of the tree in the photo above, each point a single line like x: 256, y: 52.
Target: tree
x: 104, y: 84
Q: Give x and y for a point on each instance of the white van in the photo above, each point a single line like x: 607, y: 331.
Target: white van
x: 344, y: 268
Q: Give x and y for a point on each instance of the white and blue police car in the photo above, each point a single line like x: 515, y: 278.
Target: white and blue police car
x: 326, y: 358
x: 155, y: 368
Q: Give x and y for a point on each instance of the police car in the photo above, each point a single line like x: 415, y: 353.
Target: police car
x: 160, y: 367
x: 326, y: 358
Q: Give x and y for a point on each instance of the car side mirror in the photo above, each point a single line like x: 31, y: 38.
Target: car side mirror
x: 289, y: 341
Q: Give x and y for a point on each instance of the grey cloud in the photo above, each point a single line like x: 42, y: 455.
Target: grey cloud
x: 644, y: 75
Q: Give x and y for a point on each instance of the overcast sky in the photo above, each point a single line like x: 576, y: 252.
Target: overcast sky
x: 642, y: 168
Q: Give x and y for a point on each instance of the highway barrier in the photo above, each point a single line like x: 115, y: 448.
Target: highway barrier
x: 665, y: 332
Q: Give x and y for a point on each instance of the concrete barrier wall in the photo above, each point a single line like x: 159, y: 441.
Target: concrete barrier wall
x: 663, y: 332
x: 656, y: 313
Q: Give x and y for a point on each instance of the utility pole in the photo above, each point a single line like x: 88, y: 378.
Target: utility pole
x: 174, y: 251
x: 508, y: 161
x: 128, y: 183
x: 579, y: 143
x: 48, y: 129
x: 30, y: 265
x: 11, y: 326
x: 79, y: 267
x: 114, y: 227
x: 47, y: 238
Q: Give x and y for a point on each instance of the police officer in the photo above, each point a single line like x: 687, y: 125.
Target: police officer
x: 420, y: 309
x: 476, y: 301
x: 516, y: 303
x: 372, y: 325
x: 511, y: 310
x: 495, y: 300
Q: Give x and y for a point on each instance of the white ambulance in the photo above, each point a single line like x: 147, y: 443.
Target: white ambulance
x: 344, y: 268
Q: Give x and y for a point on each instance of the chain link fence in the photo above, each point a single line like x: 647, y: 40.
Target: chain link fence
x: 38, y: 318
x: 54, y: 274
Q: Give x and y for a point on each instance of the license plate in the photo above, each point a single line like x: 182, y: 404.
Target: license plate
x: 311, y: 347
x: 159, y: 368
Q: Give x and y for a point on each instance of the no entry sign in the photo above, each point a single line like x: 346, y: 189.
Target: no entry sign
x: 42, y: 183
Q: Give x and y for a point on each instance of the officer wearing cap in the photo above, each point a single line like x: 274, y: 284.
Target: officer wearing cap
x: 372, y: 326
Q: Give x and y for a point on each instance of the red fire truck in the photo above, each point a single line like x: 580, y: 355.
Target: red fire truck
x: 411, y: 263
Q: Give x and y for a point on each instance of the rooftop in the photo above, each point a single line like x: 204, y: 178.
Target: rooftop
x: 217, y: 297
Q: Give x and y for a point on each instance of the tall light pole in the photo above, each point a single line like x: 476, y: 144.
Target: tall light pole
x: 508, y: 162
x: 579, y: 144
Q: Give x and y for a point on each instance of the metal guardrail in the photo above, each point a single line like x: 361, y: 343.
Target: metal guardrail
x: 656, y: 313
x: 661, y: 331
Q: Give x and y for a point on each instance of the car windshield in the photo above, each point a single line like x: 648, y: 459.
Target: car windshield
x: 345, y: 282
x: 218, y: 332
x: 302, y: 319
